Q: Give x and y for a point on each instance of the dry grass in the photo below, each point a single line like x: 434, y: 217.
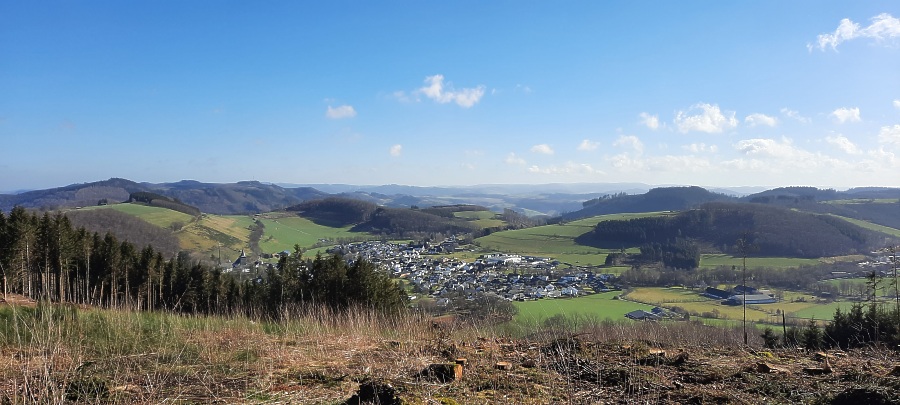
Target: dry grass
x: 60, y: 354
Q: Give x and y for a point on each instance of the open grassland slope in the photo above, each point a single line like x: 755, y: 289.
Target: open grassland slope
x: 59, y: 354
x: 558, y: 241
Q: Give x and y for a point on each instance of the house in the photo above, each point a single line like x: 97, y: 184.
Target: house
x: 641, y: 315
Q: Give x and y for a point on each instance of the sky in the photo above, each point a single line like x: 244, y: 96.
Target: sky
x: 717, y: 94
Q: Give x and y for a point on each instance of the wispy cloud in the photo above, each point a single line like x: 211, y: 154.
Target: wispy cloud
x: 844, y: 114
x: 588, y: 145
x: 568, y: 168
x: 704, y: 117
x: 889, y: 135
x: 760, y: 119
x: 340, y: 112
x: 543, y: 149
x: 651, y: 121
x: 396, y: 150
x: 843, y: 144
x: 436, y: 90
x: 897, y: 104
x: 794, y: 115
x: 701, y: 148
x: 512, y: 159
x: 630, y: 141
x: 884, y: 27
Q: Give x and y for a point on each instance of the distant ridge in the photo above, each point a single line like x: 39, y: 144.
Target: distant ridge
x: 657, y: 199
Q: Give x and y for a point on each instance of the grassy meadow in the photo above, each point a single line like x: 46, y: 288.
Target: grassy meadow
x: 282, y: 232
x: 871, y: 226
x: 484, y: 219
x: 597, y: 306
x: 557, y: 241
x: 796, y: 305
x: 716, y: 260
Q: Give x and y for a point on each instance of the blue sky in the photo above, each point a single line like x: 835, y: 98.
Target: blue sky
x: 766, y: 93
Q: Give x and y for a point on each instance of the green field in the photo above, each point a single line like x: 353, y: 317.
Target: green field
x: 282, y: 233
x: 557, y: 241
x: 598, y: 306
x: 870, y: 226
x: 822, y: 311
x: 863, y: 201
x: 794, y: 305
x: 161, y: 217
x: 715, y: 260
x: 484, y: 219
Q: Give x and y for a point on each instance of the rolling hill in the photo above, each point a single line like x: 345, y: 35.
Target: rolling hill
x: 657, y: 199
x: 773, y: 231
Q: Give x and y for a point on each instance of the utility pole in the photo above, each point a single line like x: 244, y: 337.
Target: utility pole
x: 742, y: 247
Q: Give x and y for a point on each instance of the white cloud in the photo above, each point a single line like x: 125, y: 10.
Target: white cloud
x: 769, y: 155
x: 897, y: 104
x: 708, y: 119
x: 396, y: 150
x: 568, y: 168
x: 701, y: 147
x: 626, y: 162
x: 630, y: 140
x: 760, y: 119
x: 512, y: 159
x: 890, y: 135
x: 844, y: 114
x: 344, y: 111
x: 795, y: 115
x: 651, y: 121
x: 542, y: 149
x: 843, y: 144
x: 766, y: 148
x: 588, y: 145
x: 437, y: 91
x: 883, y: 27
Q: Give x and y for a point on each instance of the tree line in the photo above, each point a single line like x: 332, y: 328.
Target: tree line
x: 45, y: 257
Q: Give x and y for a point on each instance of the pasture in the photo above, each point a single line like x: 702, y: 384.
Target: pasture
x: 794, y: 304
x: 209, y: 234
x: 557, y: 241
x: 161, y: 217
x: 709, y: 261
x: 596, y: 306
x: 283, y: 232
x: 871, y: 226
x: 484, y: 219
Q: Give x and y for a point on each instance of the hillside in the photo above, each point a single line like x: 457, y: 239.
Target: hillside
x: 395, y: 222
x: 657, y: 199
x: 773, y: 231
x: 75, y: 195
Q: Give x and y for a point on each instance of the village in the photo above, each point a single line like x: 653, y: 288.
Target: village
x: 509, y: 276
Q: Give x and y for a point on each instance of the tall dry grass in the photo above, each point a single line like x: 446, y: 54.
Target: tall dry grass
x: 60, y: 354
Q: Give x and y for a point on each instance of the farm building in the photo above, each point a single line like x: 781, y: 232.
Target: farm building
x: 716, y: 293
x: 752, y: 299
x: 641, y: 315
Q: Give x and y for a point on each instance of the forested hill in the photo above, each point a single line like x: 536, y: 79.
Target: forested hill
x: 368, y: 217
x: 657, y: 199
x: 772, y: 231
x: 801, y: 195
x: 241, y: 197
x: 214, y: 198
x: 75, y: 195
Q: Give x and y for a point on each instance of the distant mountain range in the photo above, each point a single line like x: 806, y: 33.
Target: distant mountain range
x: 570, y: 200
